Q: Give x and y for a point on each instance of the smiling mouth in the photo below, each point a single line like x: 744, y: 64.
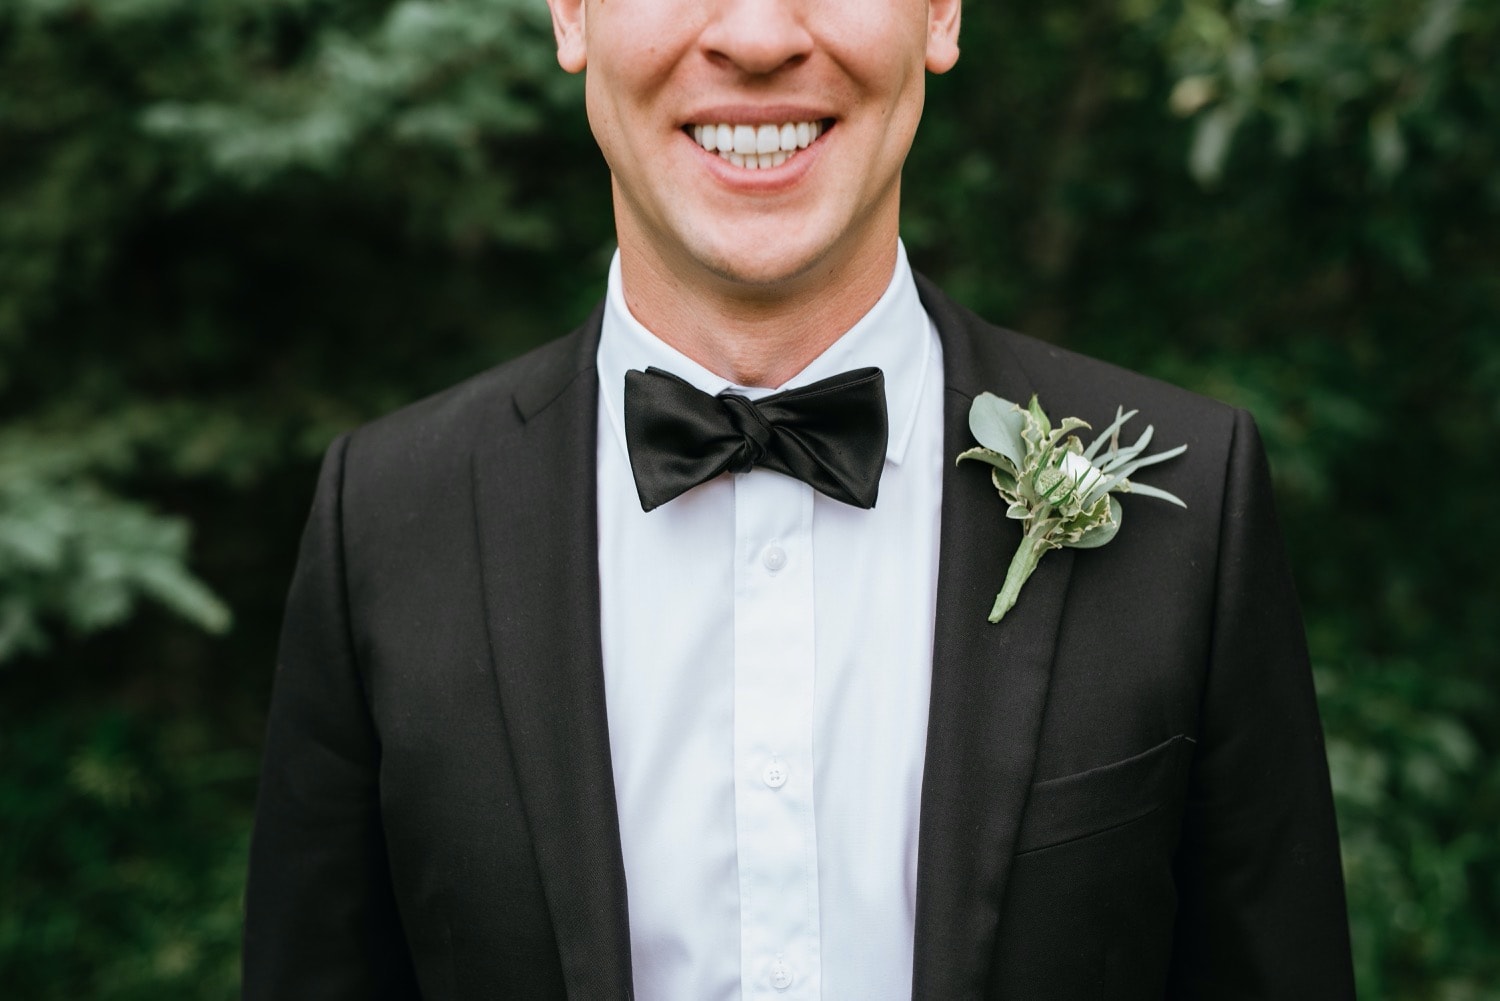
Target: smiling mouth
x: 758, y: 147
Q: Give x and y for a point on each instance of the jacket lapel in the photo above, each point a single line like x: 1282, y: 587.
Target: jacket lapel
x: 989, y: 682
x: 535, y: 501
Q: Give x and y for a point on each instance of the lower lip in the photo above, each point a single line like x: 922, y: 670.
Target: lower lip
x: 764, y: 179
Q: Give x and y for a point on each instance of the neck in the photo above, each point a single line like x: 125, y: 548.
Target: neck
x: 755, y: 335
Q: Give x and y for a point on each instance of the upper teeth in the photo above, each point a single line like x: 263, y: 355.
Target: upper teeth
x: 757, y: 145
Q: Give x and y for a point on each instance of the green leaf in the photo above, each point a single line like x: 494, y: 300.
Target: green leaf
x: 990, y: 456
x: 1040, y: 416
x: 1120, y: 457
x: 1068, y: 424
x: 1004, y: 482
x: 1120, y: 418
x: 1149, y: 491
x: 1152, y: 460
x: 1104, y: 532
x: 1120, y: 475
x: 996, y: 424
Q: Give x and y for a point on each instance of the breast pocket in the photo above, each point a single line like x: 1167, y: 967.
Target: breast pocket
x: 1089, y: 905
x: 1086, y: 803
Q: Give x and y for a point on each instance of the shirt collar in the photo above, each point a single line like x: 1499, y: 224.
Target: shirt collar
x: 895, y: 336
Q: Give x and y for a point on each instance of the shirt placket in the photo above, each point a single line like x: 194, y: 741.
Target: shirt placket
x: 773, y: 714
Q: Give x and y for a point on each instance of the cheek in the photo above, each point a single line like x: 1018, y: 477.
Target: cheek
x: 638, y: 44
x: 890, y: 80
x: 599, y: 105
x: 898, y: 103
x: 623, y: 90
x: 874, y: 37
x: 617, y: 99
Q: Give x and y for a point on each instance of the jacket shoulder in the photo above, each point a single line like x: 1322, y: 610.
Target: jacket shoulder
x: 496, y: 400
x: 436, y: 435
x: 984, y: 357
x: 1070, y: 378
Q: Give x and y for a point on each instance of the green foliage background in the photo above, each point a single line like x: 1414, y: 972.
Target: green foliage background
x: 229, y: 230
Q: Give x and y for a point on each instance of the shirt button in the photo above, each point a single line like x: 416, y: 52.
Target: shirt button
x: 775, y: 773
x: 774, y: 557
x: 781, y: 975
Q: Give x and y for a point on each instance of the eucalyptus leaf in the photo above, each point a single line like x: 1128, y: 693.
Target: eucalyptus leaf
x: 997, y: 424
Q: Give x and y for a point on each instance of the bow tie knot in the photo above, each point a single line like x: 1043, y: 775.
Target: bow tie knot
x: 830, y: 434
x: 754, y: 430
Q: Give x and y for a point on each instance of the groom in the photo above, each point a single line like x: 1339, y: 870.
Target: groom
x: 656, y: 663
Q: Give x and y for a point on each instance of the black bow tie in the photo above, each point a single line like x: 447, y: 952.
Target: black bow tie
x: 830, y: 434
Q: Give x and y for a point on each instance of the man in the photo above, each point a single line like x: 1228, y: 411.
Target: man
x: 555, y: 718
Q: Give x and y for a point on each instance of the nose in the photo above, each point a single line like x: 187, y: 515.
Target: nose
x: 757, y: 37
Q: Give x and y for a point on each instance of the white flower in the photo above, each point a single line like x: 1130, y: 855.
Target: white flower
x: 1084, y: 474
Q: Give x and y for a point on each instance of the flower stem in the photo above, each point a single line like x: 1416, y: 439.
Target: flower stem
x: 1021, y: 567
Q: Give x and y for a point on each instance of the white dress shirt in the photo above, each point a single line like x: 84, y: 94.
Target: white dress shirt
x: 767, y: 663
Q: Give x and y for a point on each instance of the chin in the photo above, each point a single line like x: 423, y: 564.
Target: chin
x: 763, y: 264
x: 762, y: 275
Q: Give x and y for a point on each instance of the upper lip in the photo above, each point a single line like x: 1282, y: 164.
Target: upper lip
x: 749, y: 114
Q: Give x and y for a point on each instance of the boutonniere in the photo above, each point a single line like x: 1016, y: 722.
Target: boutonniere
x: 1058, y: 489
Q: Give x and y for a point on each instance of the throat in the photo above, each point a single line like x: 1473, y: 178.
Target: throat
x: 753, y: 333
x: 755, y: 342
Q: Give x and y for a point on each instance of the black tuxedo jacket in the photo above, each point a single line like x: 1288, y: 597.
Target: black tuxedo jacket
x: 1125, y: 794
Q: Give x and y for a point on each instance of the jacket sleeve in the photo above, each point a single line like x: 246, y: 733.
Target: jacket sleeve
x: 1261, y: 910
x: 320, y: 914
